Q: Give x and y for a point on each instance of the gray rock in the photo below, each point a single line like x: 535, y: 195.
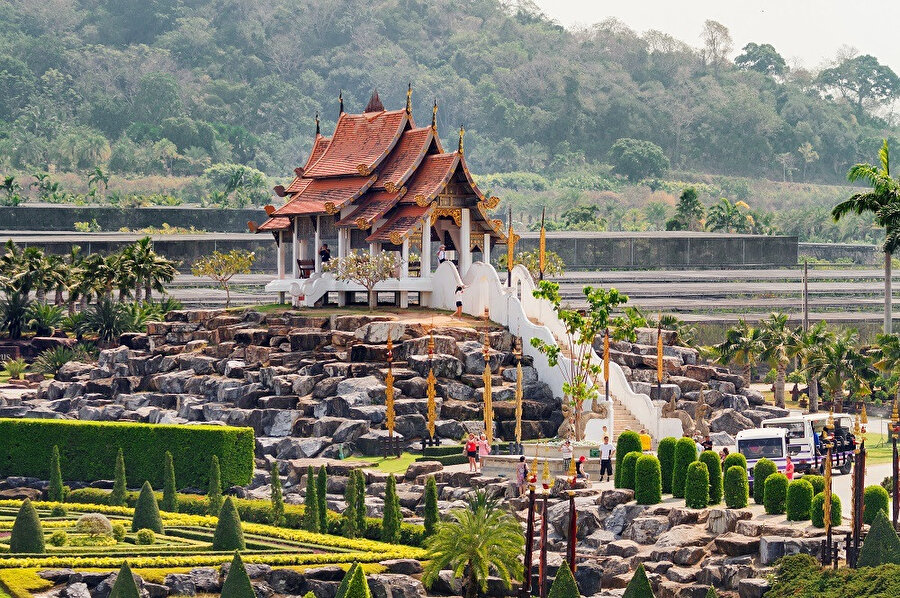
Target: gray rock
x: 411, y: 426
x: 402, y: 566
x: 370, y: 444
x: 287, y: 581
x: 392, y: 585
x: 589, y: 517
x: 589, y: 576
x: 753, y: 587
x: 729, y: 420
x: 350, y: 430
x: 734, y: 544
x: 622, y: 548
x: 621, y: 517
x: 736, y: 402
x: 445, y: 366
x: 448, y: 428
x: 77, y: 590
x: 369, y: 386
x: 646, y: 530
x: 753, y: 396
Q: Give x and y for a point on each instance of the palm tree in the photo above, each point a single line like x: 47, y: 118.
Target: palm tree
x: 727, y: 216
x: 159, y: 272
x: 742, y: 346
x: 809, y: 347
x: 884, y: 202
x: 886, y: 355
x: 779, y: 347
x: 840, y: 363
x: 478, y: 541
x: 97, y: 178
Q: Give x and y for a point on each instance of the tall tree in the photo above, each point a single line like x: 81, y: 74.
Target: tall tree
x: 863, y: 81
x: 742, y: 346
x: 780, y: 345
x: 810, y: 346
x: 762, y: 58
x: 717, y: 44
x: 883, y: 201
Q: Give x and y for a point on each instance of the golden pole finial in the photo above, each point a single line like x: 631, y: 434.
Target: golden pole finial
x: 863, y: 416
x: 830, y: 421
x: 856, y: 425
x: 573, y: 472
x: 434, y: 116
x: 409, y: 99
x: 462, y: 133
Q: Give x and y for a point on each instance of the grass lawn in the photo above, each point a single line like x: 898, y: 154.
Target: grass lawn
x: 390, y: 464
x: 878, y: 448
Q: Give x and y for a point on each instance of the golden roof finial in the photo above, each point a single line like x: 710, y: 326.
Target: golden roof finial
x: 434, y: 116
x: 409, y: 99
x: 341, y: 100
x: 462, y: 133
x: 317, y: 125
x: 863, y: 416
x: 545, y: 478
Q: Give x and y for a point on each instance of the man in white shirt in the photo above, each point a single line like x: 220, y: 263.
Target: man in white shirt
x: 442, y: 254
x: 606, y: 454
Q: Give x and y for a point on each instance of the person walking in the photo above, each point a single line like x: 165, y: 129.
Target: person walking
x: 484, y: 449
x: 459, y: 296
x: 606, y: 455
x: 471, y: 449
x: 789, y: 468
x: 566, y: 452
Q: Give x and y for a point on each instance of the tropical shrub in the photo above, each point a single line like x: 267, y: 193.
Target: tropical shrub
x: 628, y: 442
x: 685, y: 454
x: 817, y: 510
x: 714, y: 466
x: 647, y: 480
x: 43, y: 318
x: 14, y: 313
x: 875, y: 499
x: 626, y: 479
x: 734, y: 459
x: 94, y: 524
x: 27, y: 535
x: 146, y: 511
x: 14, y: 368
x: 119, y: 532
x: 696, y: 486
x: 228, y: 534
x: 761, y: 471
x: 775, y: 493
x: 666, y: 453
x: 817, y: 481
x: 89, y: 448
x: 799, y: 500
x: 50, y: 360
x: 736, y: 487
x: 145, y: 537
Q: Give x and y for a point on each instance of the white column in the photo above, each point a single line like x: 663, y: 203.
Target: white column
x: 426, y: 247
x: 342, y: 246
x: 487, y: 248
x: 295, y: 249
x: 280, y: 254
x: 404, y: 259
x: 318, y: 244
x: 464, y: 250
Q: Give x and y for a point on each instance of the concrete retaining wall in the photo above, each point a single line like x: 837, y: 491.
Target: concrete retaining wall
x: 866, y: 255
x: 111, y: 219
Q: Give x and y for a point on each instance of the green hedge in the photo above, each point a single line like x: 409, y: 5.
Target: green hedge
x: 685, y: 454
x: 775, y: 493
x: 817, y: 510
x: 875, y: 498
x: 696, y: 486
x: 628, y: 442
x: 647, y: 480
x: 762, y: 470
x: 88, y: 451
x: 666, y: 453
x: 736, y: 488
x: 799, y: 500
x: 881, y: 545
x: 734, y: 459
x: 714, y: 465
x: 626, y: 479
x: 817, y: 481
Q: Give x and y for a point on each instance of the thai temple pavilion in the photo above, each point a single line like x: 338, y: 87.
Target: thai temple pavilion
x: 379, y: 183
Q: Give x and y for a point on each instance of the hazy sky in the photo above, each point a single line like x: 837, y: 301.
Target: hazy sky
x: 808, y: 30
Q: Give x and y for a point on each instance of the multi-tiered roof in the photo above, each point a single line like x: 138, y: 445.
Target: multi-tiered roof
x: 380, y: 173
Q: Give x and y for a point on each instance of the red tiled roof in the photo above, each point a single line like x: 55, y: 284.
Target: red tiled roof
x: 405, y: 218
x: 297, y: 185
x: 404, y: 158
x: 430, y: 177
x: 359, y: 144
x: 369, y: 209
x: 326, y: 196
x: 275, y: 224
x: 319, y: 146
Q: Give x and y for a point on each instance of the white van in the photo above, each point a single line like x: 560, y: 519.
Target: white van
x: 803, y: 434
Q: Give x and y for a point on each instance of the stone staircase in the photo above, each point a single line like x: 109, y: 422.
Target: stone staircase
x: 623, y: 419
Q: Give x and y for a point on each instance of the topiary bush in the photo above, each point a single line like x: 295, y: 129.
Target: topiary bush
x: 734, y: 459
x: 817, y: 481
x: 875, y: 499
x: 736, y: 487
x: 564, y: 585
x: 228, y: 534
x: 685, y: 454
x: 628, y: 442
x: 94, y: 524
x: 361, y: 520
x: 58, y: 511
x: 696, y: 486
x: 277, y: 498
x: 345, y: 582
x: 762, y: 470
x: 775, y: 493
x: 714, y: 466
x: 639, y: 586
x: 237, y: 582
x: 817, y: 510
x: 881, y: 545
x: 146, y: 511
x: 145, y: 537
x: 666, y: 453
x: 799, y: 500
x: 358, y: 587
x: 647, y: 480
x: 431, y: 506
x: 120, y: 487
x: 626, y: 479
x: 119, y: 532
x: 59, y: 538
x: 55, y: 491
x: 124, y: 586
x: 391, y: 519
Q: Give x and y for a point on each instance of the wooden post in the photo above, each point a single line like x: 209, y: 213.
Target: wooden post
x: 529, y: 543
x: 542, y: 569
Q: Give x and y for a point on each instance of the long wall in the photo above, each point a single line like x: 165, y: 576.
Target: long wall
x: 63, y: 218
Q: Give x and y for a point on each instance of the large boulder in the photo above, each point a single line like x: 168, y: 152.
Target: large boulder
x: 729, y: 420
x: 350, y: 430
x: 393, y: 585
x: 589, y: 517
x: 445, y: 366
x: 369, y: 386
x: 646, y: 530
x: 378, y: 332
x: 370, y: 444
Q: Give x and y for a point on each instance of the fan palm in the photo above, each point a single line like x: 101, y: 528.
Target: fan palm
x: 883, y: 201
x: 779, y: 343
x: 477, y: 541
x: 742, y: 346
x: 841, y: 364
x: 809, y: 347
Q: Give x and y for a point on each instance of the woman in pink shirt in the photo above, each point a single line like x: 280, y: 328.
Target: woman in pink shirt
x: 789, y: 468
x: 483, y: 449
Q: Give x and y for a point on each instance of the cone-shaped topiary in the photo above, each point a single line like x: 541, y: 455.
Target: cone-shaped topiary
x: 775, y: 493
x: 762, y: 470
x: 27, y: 534
x: 799, y: 500
x: 124, y: 586
x: 228, y: 534
x: 390, y: 521
x: 322, y: 497
x: 358, y: 587
x: 214, y: 490
x: 881, y: 545
x: 628, y: 442
x: 639, y: 586
x: 564, y: 585
x: 685, y: 454
x: 342, y: 588
x: 711, y: 592
x: 875, y: 498
x: 117, y: 496
x: 146, y: 511
x: 696, y: 486
x: 666, y: 453
x: 237, y: 582
x: 360, y: 502
x: 626, y: 479
x: 431, y: 506
x: 349, y: 515
x: 714, y: 466
x: 55, y: 491
x: 817, y: 510
x: 277, y: 517
x: 170, y: 494
x: 734, y: 459
x: 736, y: 487
x: 311, y: 502
x: 647, y: 480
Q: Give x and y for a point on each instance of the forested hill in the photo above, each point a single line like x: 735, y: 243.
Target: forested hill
x: 84, y: 82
